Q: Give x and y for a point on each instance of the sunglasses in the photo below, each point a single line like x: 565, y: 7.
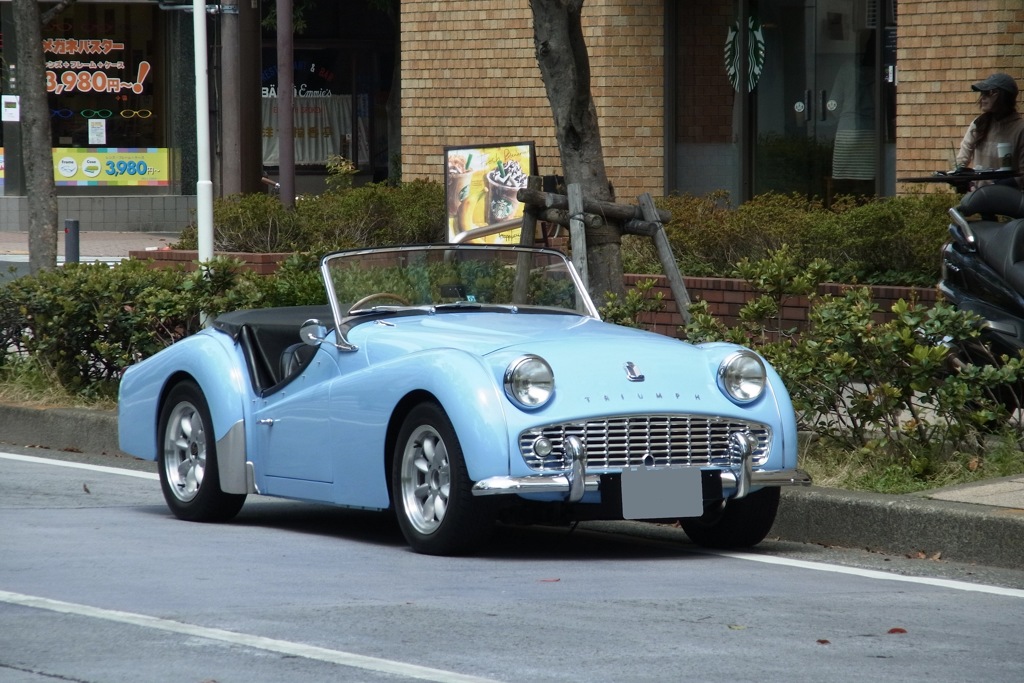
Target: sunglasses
x: 989, y: 93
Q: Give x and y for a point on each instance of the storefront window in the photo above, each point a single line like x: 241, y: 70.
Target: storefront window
x: 104, y: 77
x: 322, y: 107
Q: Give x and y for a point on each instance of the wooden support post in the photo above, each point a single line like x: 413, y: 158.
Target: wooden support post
x: 578, y: 233
x: 668, y: 261
x: 527, y: 238
x: 529, y: 233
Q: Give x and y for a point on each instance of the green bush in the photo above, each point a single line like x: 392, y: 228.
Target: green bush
x: 886, y: 391
x: 894, y: 240
x: 342, y: 218
x: 86, y: 323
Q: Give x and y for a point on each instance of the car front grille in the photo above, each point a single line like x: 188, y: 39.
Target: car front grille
x: 652, y: 440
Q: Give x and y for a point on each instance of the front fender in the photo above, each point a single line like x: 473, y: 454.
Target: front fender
x: 460, y: 382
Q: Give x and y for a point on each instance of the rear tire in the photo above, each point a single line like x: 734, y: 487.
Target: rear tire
x: 187, y: 459
x: 743, y: 523
x: 433, y: 497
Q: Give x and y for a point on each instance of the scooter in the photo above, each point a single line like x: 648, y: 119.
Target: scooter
x: 983, y: 264
x: 983, y: 272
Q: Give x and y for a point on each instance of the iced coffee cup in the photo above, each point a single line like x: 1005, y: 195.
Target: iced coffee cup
x: 503, y: 184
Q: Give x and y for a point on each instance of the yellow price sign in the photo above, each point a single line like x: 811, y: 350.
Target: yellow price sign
x: 111, y: 166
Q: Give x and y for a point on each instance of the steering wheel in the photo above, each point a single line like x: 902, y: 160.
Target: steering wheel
x: 379, y: 295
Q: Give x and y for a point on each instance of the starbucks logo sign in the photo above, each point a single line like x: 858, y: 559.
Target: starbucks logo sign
x: 734, y: 62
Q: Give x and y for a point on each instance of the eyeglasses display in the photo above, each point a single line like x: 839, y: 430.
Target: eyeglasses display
x: 96, y: 113
x: 140, y: 113
x: 61, y: 113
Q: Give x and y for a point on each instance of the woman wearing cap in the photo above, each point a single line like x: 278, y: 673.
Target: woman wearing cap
x: 998, y: 123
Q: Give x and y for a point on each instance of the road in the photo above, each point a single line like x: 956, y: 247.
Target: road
x: 98, y: 583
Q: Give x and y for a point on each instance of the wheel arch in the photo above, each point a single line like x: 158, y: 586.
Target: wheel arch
x: 398, y: 415
x: 478, y: 417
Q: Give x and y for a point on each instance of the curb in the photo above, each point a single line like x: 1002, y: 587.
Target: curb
x: 903, y: 525
x: 895, y: 525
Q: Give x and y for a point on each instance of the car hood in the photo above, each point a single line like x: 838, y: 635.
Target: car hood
x: 484, y: 333
x: 599, y: 368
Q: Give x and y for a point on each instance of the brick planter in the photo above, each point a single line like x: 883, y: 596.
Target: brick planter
x: 727, y: 296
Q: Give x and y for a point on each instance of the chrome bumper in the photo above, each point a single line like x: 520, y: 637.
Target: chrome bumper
x: 574, y: 482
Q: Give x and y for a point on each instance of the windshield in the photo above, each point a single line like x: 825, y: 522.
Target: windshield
x: 452, y: 277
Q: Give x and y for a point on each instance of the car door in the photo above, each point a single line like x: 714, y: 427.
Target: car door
x: 293, y: 429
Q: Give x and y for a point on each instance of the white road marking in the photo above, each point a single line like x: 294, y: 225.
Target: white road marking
x: 80, y: 466
x: 283, y: 647
x: 870, y: 573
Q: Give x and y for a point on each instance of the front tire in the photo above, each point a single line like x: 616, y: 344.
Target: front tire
x: 434, y: 503
x: 743, y: 523
x: 187, y: 459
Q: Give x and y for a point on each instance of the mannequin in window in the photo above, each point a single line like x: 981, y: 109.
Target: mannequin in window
x: 855, y: 154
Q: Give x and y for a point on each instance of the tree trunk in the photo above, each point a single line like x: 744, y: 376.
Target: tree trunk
x: 565, y: 70
x: 36, y: 137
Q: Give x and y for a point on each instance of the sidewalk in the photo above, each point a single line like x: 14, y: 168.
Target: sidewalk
x: 93, y: 245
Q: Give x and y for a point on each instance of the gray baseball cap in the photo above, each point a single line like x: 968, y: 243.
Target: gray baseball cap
x: 998, y: 80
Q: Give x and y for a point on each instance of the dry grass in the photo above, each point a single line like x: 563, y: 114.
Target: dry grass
x: 30, y: 384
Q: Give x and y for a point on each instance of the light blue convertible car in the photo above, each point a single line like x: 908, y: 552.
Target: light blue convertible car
x: 462, y: 386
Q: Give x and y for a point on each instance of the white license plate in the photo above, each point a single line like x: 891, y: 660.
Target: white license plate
x: 661, y: 493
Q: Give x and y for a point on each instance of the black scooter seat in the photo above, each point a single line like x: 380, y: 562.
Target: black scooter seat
x: 999, y: 200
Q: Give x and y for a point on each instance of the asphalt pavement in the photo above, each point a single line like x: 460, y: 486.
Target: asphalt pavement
x: 979, y: 523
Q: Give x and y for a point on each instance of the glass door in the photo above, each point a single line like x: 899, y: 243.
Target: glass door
x: 815, y: 119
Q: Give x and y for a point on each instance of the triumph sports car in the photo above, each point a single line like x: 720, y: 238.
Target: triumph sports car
x: 461, y: 386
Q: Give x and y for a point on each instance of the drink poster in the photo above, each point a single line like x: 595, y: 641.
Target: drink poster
x: 481, y: 183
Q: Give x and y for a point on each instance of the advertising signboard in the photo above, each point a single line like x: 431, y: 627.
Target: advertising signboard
x: 481, y: 182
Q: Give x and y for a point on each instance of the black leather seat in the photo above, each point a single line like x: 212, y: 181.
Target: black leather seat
x: 294, y: 359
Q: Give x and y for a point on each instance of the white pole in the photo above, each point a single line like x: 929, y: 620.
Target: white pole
x: 204, y: 186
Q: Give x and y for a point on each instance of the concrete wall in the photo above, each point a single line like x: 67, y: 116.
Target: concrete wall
x: 161, y: 213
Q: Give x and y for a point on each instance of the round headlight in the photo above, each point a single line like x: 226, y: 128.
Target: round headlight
x: 742, y: 377
x: 529, y: 381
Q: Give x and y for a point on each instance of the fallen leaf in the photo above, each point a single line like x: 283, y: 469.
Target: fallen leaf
x: 822, y: 641
x: 549, y: 580
x: 85, y: 487
x: 897, y: 629
x: 936, y: 556
x: 737, y: 627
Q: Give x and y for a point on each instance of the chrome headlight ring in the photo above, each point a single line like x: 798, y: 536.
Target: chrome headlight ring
x: 529, y: 382
x: 742, y: 376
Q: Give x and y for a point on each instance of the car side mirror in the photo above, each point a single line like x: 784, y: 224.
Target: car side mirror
x: 312, y: 332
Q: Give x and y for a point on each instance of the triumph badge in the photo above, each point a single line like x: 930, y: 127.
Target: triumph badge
x: 633, y: 373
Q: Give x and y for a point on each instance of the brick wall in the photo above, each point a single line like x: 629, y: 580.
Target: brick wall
x: 704, y: 99
x: 469, y: 75
x: 942, y: 47
x: 726, y: 296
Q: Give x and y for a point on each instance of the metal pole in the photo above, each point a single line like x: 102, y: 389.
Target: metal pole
x: 285, y: 97
x: 204, y: 185
x: 71, y: 240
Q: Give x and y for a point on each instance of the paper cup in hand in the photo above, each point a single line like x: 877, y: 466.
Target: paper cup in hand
x: 1005, y: 150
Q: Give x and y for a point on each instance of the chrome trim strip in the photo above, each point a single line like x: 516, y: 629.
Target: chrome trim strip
x: 540, y: 483
x: 231, y: 460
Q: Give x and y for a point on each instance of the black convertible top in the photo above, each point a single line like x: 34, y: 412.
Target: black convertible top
x: 286, y: 318
x: 269, y: 338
